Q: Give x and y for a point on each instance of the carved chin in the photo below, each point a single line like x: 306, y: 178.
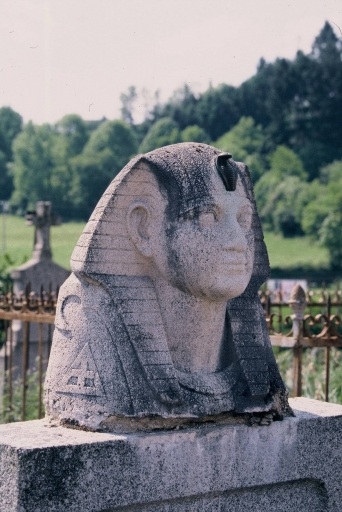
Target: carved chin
x: 234, y: 289
x: 222, y: 289
x: 230, y: 286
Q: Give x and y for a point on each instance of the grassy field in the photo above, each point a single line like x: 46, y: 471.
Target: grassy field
x: 297, y: 252
x: 16, y: 239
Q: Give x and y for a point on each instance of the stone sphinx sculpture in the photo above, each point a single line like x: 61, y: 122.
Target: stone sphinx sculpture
x: 160, y: 320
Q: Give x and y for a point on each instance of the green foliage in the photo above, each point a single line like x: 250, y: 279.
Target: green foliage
x: 107, y: 151
x: 313, y: 372
x: 13, y: 411
x: 285, y: 205
x: 194, y: 133
x: 92, y: 173
x: 316, y: 210
x: 263, y: 190
x: 18, y: 240
x: 217, y: 110
x: 284, y: 162
x: 33, y: 165
x: 5, y: 286
x: 162, y: 133
x: 41, y: 168
x: 331, y: 173
x: 6, y: 181
x: 6, y: 262
x: 327, y: 47
x: 127, y: 104
x: 299, y: 102
x: 330, y: 237
x: 73, y: 136
x: 322, y: 217
x: 61, y: 165
x: 282, y: 193
x: 10, y: 126
x: 181, y: 108
x: 115, y: 137
x: 318, y: 101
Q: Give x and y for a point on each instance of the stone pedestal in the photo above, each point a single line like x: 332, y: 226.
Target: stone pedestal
x: 290, y: 465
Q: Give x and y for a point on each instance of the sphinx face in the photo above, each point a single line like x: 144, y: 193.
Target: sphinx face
x: 209, y: 252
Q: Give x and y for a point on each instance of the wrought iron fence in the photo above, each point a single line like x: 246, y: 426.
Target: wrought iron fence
x: 305, y: 321
x: 26, y: 325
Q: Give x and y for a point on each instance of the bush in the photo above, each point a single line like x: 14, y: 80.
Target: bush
x: 13, y: 411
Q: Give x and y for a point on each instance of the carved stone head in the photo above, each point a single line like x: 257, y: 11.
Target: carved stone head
x: 161, y: 318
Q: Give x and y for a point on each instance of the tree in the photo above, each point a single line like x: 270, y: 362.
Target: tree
x: 194, y: 133
x: 32, y: 165
x: 329, y: 234
x: 128, y: 100
x: 6, y: 182
x: 317, y: 105
x: 117, y: 138
x: 181, y: 107
x: 299, y: 102
x: 284, y: 162
x: 282, y: 193
x: 286, y: 204
x: 217, y: 110
x: 73, y: 135
x: 325, y: 199
x: 163, y: 132
x: 39, y: 171
x: 10, y: 126
x: 281, y: 203
x: 331, y: 173
x: 266, y: 97
x: 327, y: 47
x: 108, y: 150
x: 91, y: 173
x: 253, y: 93
x: 69, y: 141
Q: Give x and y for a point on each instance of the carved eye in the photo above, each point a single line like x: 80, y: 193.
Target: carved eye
x: 206, y: 219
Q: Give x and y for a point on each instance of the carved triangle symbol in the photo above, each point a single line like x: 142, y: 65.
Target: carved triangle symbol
x: 82, y: 376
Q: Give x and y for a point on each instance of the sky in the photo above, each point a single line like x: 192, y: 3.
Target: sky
x: 59, y: 57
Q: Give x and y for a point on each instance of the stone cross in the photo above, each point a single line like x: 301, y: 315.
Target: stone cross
x: 42, y: 219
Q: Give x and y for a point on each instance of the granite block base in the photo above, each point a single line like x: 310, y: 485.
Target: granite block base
x: 290, y: 465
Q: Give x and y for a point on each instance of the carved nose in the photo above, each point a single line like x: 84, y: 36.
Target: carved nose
x: 235, y: 239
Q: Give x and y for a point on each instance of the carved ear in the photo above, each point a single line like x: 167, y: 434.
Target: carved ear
x: 139, y: 227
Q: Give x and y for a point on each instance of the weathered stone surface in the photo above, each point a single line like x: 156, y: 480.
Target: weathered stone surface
x: 161, y: 317
x: 291, y: 464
